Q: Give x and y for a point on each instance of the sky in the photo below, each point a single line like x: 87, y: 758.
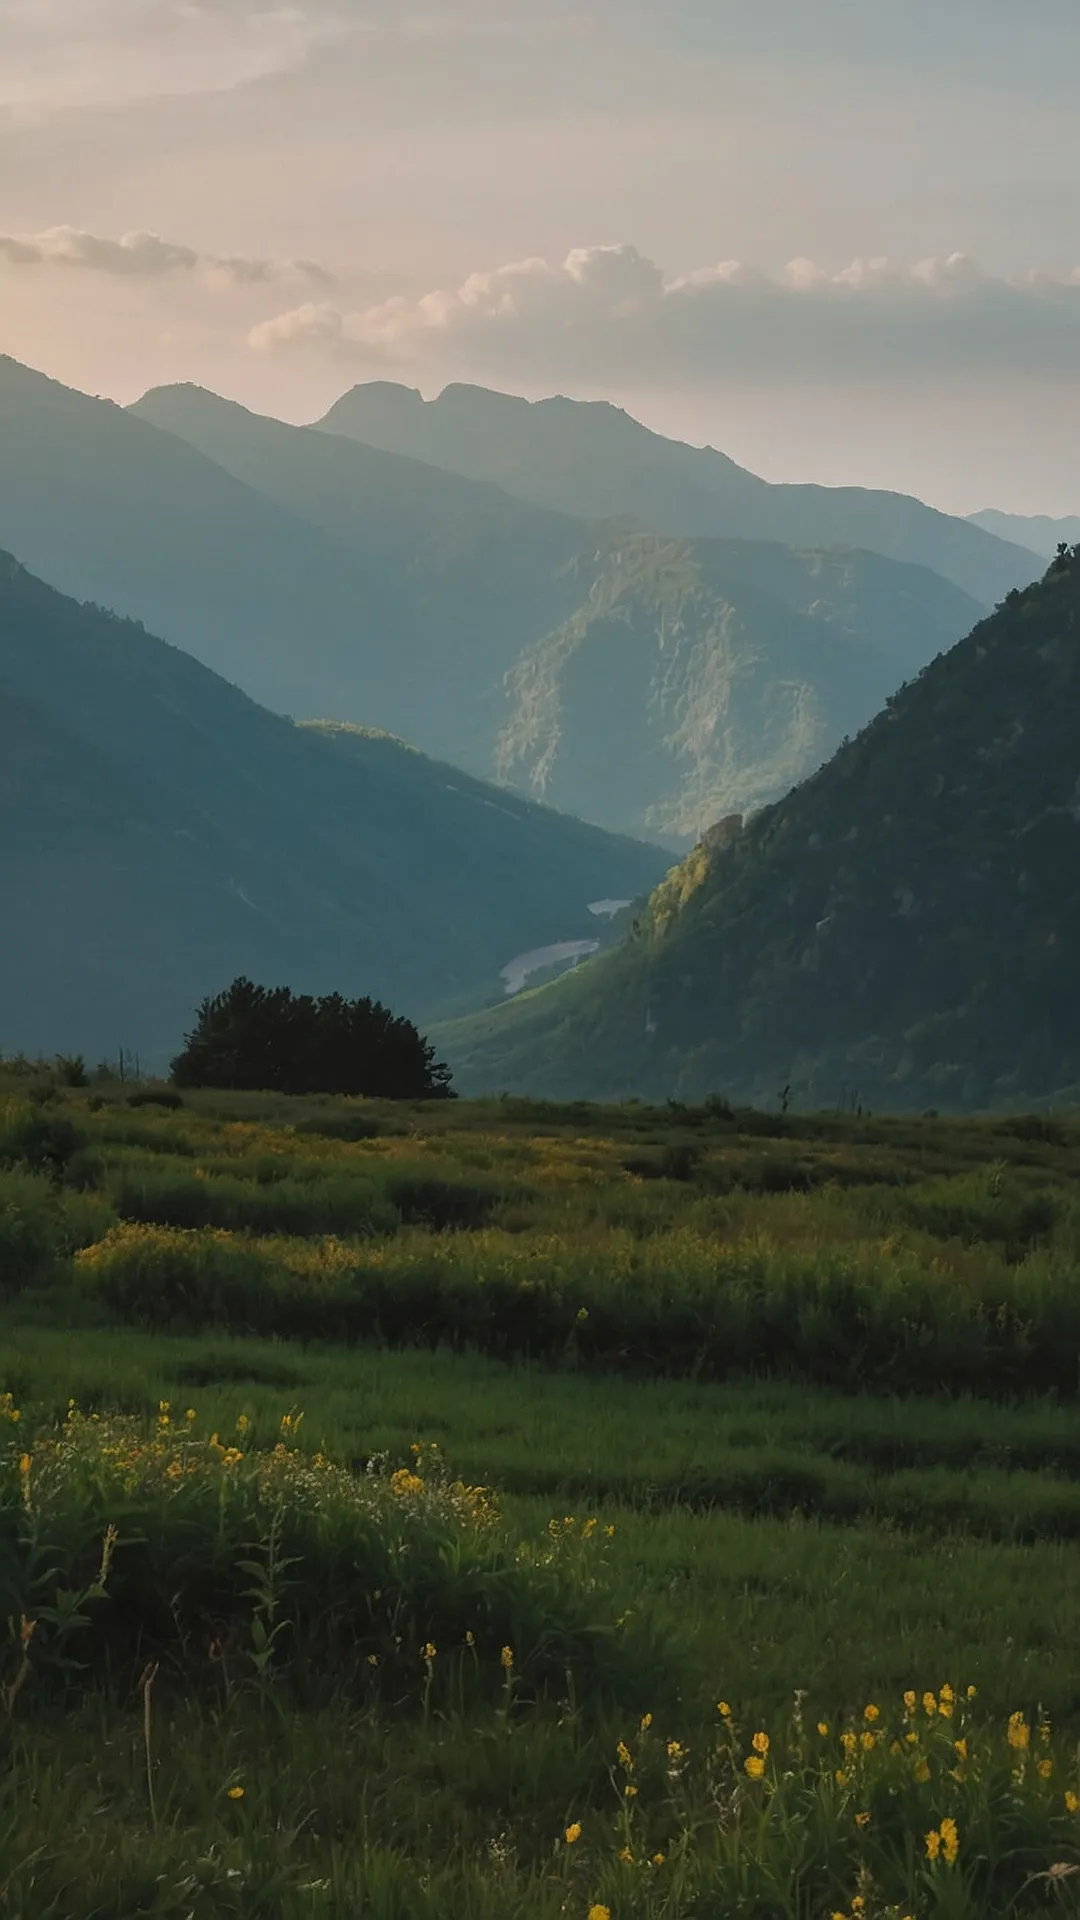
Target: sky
x: 839, y: 239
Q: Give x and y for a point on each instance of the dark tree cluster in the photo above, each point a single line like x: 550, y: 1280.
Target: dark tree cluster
x: 263, y: 1039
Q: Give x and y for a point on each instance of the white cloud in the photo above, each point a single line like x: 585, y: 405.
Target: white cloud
x: 146, y: 256
x: 609, y: 311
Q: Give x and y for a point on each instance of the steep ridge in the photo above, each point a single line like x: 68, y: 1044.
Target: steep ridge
x: 904, y: 929
x: 594, y: 460
x: 703, y: 678
x: 648, y: 683
x: 159, y: 833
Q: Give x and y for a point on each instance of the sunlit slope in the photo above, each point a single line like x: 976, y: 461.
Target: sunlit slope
x: 902, y: 930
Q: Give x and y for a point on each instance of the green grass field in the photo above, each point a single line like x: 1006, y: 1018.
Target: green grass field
x: 776, y: 1412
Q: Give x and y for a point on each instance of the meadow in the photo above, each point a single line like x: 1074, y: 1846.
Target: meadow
x: 485, y: 1509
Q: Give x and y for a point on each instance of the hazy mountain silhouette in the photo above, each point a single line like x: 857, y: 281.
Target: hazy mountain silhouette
x: 593, y: 459
x: 904, y: 928
x: 160, y: 833
x: 648, y: 683
x: 1035, y: 530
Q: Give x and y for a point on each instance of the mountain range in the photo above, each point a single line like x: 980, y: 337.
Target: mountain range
x: 1037, y: 530
x: 594, y: 460
x: 328, y: 577
x: 901, y: 930
x: 161, y: 833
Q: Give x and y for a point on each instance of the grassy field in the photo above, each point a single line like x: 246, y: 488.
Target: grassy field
x: 387, y: 1494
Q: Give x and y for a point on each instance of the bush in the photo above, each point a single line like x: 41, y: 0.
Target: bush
x: 32, y: 1137
x: 40, y: 1227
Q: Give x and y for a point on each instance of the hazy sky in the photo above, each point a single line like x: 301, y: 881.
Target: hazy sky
x: 838, y: 238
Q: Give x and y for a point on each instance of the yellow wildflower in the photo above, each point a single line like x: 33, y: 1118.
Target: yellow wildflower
x: 646, y: 1722
x: 723, y: 1708
x: 960, y: 1749
x: 1019, y: 1733
x: 840, y: 1777
x: 971, y: 1692
x: 823, y: 1727
x: 658, y: 1859
x: 862, y: 1819
x: 573, y: 1833
x: 922, y: 1772
x: 909, y: 1700
x: 506, y: 1659
x: 929, y: 1701
x: 760, y: 1743
x: 625, y: 1756
x: 933, y: 1844
x: 630, y: 1792
x: 598, y: 1912
x: 1072, y: 1802
x: 626, y: 1856
x: 950, y: 1841
x: 754, y: 1766
x: 430, y: 1650
x: 242, y: 1424
x: 236, y: 1793
x: 868, y: 1741
x: 1044, y: 1768
x: 849, y: 1742
x: 871, y: 1713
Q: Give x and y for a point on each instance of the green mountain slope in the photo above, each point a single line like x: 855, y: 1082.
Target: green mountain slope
x: 703, y: 678
x: 160, y: 833
x: 594, y: 460
x: 905, y: 926
x: 1035, y: 530
x: 646, y: 683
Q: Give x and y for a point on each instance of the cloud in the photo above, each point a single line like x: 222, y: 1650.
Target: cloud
x: 610, y: 311
x: 146, y: 256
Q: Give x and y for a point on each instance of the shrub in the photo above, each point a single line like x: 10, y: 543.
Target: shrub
x: 32, y: 1137
x: 39, y: 1227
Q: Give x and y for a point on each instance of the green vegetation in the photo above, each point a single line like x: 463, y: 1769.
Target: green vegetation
x: 386, y: 1489
x: 162, y: 833
x: 900, y: 932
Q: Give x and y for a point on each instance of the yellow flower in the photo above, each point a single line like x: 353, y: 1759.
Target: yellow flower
x: 960, y: 1748
x: 573, y: 1833
x: 722, y: 1707
x: 626, y: 1856
x: 933, y: 1844
x: 971, y: 1692
x: 909, y: 1700
x: 922, y: 1772
x: 646, y: 1722
x: 236, y: 1793
x: 760, y: 1743
x: 862, y: 1819
x: 506, y: 1659
x: 849, y: 1742
x: 470, y: 1638
x: 430, y: 1650
x: 823, y: 1727
x: 929, y: 1701
x: 373, y: 1659
x: 625, y: 1757
x: 871, y: 1713
x: 1072, y: 1802
x: 658, y: 1859
x: 950, y: 1841
x: 598, y: 1912
x: 1044, y: 1768
x: 840, y: 1777
x: 630, y: 1793
x: 676, y: 1751
x: 1019, y: 1733
x: 868, y: 1741
x: 754, y: 1766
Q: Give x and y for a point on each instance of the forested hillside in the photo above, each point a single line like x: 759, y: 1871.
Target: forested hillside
x: 903, y: 930
x: 160, y: 833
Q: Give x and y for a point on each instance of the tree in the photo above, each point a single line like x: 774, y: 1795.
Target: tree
x: 267, y: 1039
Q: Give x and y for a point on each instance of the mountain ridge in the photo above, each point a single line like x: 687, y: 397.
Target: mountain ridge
x: 595, y: 460
x: 904, y: 926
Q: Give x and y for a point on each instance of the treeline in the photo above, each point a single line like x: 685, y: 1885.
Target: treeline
x: 268, y: 1039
